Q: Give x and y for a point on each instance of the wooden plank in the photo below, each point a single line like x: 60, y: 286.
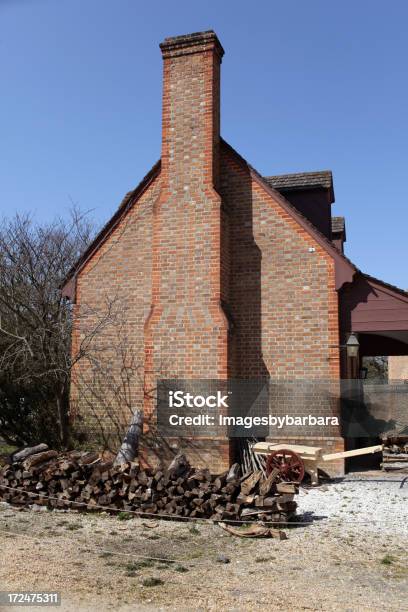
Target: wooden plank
x: 353, y: 453
x: 380, y: 314
x: 378, y: 326
x: 300, y: 449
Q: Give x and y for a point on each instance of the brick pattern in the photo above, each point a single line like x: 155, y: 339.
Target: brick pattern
x: 283, y: 296
x: 282, y: 299
x: 186, y: 332
x: 214, y: 454
x: 217, y: 278
x: 119, y: 273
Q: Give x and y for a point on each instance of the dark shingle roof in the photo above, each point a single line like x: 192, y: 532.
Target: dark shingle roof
x: 301, y: 180
x: 338, y: 225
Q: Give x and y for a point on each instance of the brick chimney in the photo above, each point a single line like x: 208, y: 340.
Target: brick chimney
x: 191, y: 110
x: 186, y: 330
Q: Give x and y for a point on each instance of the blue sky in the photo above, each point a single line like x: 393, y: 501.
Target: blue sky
x: 305, y: 86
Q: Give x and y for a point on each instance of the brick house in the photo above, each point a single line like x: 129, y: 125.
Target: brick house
x: 225, y: 273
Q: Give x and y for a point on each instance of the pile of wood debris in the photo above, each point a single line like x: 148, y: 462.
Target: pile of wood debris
x: 395, y: 454
x: 83, y: 481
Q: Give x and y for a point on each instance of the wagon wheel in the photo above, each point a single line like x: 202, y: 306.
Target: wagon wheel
x: 290, y: 465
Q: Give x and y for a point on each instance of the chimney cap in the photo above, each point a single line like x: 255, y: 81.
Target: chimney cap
x: 195, y: 42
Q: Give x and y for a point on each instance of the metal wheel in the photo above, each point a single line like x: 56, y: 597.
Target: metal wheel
x: 290, y: 465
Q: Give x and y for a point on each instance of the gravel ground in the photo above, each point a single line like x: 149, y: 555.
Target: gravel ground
x: 371, y: 500
x: 351, y: 558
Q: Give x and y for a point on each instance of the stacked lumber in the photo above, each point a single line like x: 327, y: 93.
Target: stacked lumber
x: 82, y: 481
x: 395, y: 454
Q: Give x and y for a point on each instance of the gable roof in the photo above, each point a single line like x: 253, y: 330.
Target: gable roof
x: 345, y: 269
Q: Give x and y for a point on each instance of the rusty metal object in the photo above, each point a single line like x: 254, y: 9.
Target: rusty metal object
x: 290, y: 465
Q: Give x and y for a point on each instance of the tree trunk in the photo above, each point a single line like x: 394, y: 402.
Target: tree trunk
x: 130, y: 444
x: 63, y: 418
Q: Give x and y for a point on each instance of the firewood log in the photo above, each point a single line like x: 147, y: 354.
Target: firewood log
x: 26, y: 452
x: 266, y: 484
x: 178, y: 467
x: 249, y: 484
x: 234, y: 472
x: 39, y: 458
x: 287, y: 487
x: 61, y: 480
x: 130, y: 444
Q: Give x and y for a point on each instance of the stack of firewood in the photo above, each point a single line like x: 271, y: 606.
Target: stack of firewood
x: 395, y: 454
x: 83, y: 481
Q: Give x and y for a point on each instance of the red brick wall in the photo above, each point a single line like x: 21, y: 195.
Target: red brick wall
x: 218, y: 278
x: 282, y: 296
x: 118, y: 277
x: 283, y: 302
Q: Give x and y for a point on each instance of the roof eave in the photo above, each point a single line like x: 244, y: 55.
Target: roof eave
x: 344, y: 268
x: 386, y: 287
x: 68, y: 287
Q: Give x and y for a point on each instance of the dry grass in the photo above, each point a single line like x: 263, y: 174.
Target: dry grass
x: 101, y: 563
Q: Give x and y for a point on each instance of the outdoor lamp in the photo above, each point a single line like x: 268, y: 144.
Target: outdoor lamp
x: 352, y: 346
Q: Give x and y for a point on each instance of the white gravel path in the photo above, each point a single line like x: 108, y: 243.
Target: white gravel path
x: 372, y: 501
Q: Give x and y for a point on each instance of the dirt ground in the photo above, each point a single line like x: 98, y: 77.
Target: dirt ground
x: 343, y: 560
